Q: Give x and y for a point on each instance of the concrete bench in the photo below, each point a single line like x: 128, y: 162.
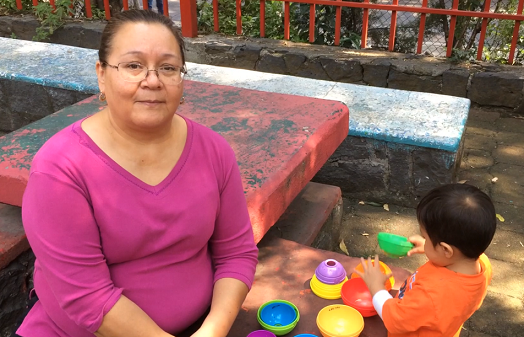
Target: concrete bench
x: 314, y: 217
x: 399, y: 144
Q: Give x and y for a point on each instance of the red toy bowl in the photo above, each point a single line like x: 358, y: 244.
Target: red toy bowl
x: 356, y: 294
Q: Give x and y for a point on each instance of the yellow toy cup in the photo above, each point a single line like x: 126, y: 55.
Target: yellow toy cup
x: 340, y: 321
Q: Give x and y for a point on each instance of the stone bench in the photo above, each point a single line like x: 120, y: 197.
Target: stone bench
x: 400, y: 144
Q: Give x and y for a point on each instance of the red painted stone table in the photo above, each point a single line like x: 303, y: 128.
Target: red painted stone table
x: 281, y: 141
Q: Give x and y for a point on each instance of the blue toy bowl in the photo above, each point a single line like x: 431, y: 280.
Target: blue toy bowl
x: 278, y: 314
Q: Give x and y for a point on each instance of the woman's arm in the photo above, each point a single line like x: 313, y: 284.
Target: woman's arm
x: 126, y: 319
x: 228, y: 296
x: 66, y: 241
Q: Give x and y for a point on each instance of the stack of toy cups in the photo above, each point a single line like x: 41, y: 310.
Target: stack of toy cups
x: 329, y: 277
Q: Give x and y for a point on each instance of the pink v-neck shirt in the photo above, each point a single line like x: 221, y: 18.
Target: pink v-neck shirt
x: 98, y: 232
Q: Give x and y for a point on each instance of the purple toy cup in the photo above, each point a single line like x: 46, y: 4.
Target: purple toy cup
x: 261, y: 333
x: 330, y: 272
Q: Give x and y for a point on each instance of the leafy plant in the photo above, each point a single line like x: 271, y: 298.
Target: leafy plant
x: 499, y: 33
x: 51, y: 18
x: 9, y: 6
x: 98, y: 14
x: 325, y: 25
x: 274, y: 18
x: 274, y: 21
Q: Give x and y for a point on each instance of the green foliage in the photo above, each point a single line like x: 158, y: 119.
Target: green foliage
x: 51, y: 19
x: 325, y: 24
x: 274, y: 18
x: 465, y: 39
x: 98, y: 14
x: 498, y: 38
x: 9, y: 6
x: 274, y: 21
x: 460, y: 55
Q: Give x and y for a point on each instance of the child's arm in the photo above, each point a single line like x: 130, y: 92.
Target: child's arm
x: 375, y: 281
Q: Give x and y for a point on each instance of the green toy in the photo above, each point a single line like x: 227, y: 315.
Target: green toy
x: 394, y: 245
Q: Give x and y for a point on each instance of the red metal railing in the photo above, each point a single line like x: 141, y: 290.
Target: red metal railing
x: 189, y: 20
x: 89, y: 12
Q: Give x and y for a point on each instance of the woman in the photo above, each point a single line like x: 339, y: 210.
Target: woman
x: 137, y: 215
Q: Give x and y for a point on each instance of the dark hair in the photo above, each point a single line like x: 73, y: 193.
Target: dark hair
x: 136, y: 16
x: 460, y: 215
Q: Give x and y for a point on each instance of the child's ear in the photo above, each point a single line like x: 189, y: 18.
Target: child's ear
x: 447, y: 250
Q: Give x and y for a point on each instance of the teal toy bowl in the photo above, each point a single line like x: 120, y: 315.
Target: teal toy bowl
x: 394, y: 245
x: 278, y: 316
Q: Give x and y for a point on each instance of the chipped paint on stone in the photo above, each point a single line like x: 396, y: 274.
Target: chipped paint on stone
x: 398, y: 116
x: 404, y: 117
x: 49, y: 64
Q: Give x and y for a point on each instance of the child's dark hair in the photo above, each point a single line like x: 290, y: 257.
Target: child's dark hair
x: 460, y: 215
x: 136, y: 16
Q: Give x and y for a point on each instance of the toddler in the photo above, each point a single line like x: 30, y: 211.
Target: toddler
x: 457, y: 223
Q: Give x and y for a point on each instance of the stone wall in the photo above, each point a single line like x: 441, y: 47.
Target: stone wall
x: 483, y: 83
x: 371, y: 169
x: 15, y: 283
x: 16, y: 110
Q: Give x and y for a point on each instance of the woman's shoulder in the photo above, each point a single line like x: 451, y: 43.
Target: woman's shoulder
x: 58, y: 150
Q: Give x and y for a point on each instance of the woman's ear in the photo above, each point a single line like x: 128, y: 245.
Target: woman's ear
x: 446, y: 249
x: 100, y: 73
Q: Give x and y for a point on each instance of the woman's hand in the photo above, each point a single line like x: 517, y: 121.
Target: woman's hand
x: 372, y: 275
x: 418, y: 242
x: 228, y: 296
x: 126, y: 319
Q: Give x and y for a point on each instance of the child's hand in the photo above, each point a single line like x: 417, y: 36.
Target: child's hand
x: 419, y: 242
x: 372, y: 275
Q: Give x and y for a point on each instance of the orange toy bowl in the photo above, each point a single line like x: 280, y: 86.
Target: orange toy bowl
x: 383, y: 268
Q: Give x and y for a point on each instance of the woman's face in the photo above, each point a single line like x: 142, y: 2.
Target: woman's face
x: 149, y: 104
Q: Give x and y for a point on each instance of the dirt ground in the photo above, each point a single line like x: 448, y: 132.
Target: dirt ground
x: 493, y: 161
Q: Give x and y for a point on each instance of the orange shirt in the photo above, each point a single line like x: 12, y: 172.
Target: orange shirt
x: 436, y: 301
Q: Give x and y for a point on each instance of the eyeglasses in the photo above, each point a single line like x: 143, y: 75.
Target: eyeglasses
x: 136, y: 72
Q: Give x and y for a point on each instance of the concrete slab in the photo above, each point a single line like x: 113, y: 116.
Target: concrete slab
x: 284, y: 271
x: 12, y: 236
x: 281, y: 141
x: 405, y: 117
x: 306, y: 215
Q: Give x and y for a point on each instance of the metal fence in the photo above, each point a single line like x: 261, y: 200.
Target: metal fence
x: 439, y: 28
x: 434, y: 27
